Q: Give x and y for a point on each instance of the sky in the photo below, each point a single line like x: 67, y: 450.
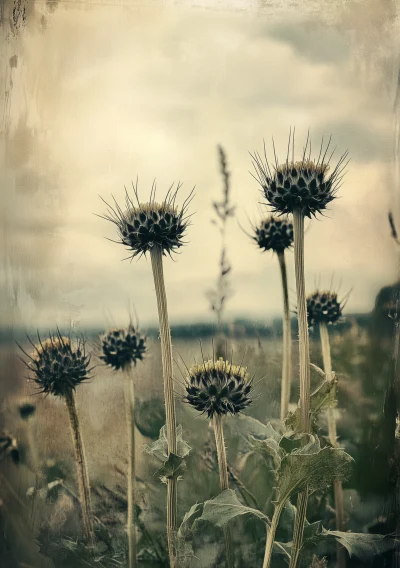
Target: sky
x: 100, y: 94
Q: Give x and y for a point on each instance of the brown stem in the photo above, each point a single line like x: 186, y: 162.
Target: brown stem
x: 304, y: 360
x: 130, y: 422
x: 81, y: 469
x: 337, y: 484
x: 223, y: 481
x: 166, y: 355
x: 287, y: 342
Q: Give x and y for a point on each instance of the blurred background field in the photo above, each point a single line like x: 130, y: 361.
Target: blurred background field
x: 361, y: 351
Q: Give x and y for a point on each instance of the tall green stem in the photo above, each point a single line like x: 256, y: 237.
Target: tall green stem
x: 223, y: 480
x: 337, y: 484
x: 81, y: 469
x: 287, y: 342
x: 166, y: 354
x: 271, y: 531
x: 130, y: 423
x: 304, y: 361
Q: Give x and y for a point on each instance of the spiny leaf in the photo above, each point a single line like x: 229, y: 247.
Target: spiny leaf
x: 268, y: 449
x: 173, y: 468
x: 362, y: 545
x: 225, y: 507
x: 194, y: 513
x: 311, y: 467
x: 242, y: 426
x: 322, y: 398
x: 318, y: 562
x: 159, y: 448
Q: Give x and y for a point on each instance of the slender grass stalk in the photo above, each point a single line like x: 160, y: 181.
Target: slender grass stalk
x: 337, y: 485
x: 304, y: 359
x: 287, y: 342
x: 271, y: 531
x: 81, y: 468
x: 223, y: 480
x: 166, y: 354
x: 130, y: 422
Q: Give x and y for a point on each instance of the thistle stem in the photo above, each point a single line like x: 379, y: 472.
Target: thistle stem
x: 81, y: 468
x: 271, y: 531
x: 304, y: 360
x: 337, y: 484
x: 130, y: 423
x: 223, y: 480
x: 287, y: 342
x: 166, y: 355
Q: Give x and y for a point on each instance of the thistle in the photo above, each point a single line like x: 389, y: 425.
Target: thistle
x: 324, y: 309
x: 218, y: 388
x: 303, y: 188
x: 58, y: 366
x: 122, y: 349
x: 158, y: 229
x: 276, y: 234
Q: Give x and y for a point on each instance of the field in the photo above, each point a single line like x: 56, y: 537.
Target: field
x: 362, y: 363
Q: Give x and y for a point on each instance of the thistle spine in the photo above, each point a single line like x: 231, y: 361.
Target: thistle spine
x: 166, y: 355
x: 223, y: 480
x: 287, y: 342
x: 81, y: 468
x: 337, y: 484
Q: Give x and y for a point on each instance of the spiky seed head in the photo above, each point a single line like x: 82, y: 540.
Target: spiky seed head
x: 143, y: 226
x: 218, y: 388
x: 122, y: 348
x: 323, y: 307
x: 27, y: 410
x: 274, y: 233
x: 307, y: 185
x: 59, y: 365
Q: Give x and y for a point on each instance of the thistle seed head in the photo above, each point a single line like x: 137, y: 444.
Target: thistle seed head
x: 218, y: 388
x: 143, y: 226
x: 122, y: 348
x: 59, y: 366
x: 323, y: 307
x: 274, y: 233
x: 306, y: 185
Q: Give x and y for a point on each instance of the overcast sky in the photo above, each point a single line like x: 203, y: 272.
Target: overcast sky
x: 103, y: 94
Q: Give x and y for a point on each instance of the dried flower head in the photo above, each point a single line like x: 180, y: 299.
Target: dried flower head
x: 218, y: 387
x: 26, y: 410
x: 122, y: 348
x: 323, y: 307
x: 143, y: 226
x: 58, y: 364
x: 274, y: 233
x: 306, y: 185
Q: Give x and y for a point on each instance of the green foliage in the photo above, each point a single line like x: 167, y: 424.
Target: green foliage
x: 362, y: 545
x: 225, y: 507
x: 173, y: 464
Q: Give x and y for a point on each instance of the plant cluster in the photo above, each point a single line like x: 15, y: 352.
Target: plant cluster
x: 296, y: 460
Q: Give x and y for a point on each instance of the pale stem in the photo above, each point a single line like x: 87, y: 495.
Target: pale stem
x: 337, y: 484
x: 81, y: 468
x: 131, y: 478
x: 304, y: 362
x: 223, y: 480
x: 287, y: 342
x: 271, y: 531
x: 166, y: 355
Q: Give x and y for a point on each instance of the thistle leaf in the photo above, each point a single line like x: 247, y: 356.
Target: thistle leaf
x: 225, y: 507
x: 173, y: 468
x: 268, y: 449
x: 190, y: 517
x: 242, y: 427
x: 159, y: 448
x: 362, y: 545
x: 312, y: 467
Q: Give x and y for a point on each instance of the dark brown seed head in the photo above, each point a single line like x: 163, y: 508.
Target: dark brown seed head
x: 218, y: 388
x: 323, y: 307
x: 122, y: 348
x: 307, y: 185
x: 58, y: 365
x: 274, y: 233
